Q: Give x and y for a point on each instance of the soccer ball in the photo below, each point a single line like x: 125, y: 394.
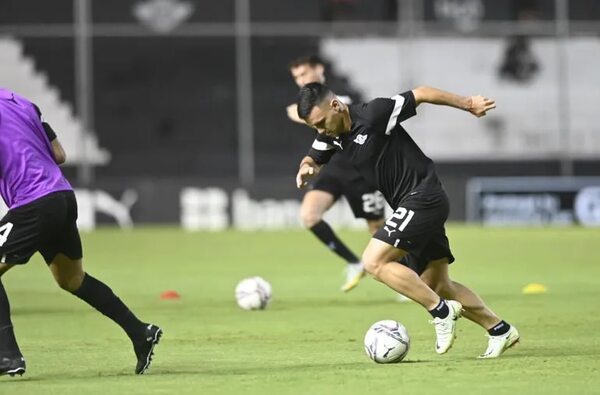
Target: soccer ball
x: 387, y: 341
x: 253, y: 293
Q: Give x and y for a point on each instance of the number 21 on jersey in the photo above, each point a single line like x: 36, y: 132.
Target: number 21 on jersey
x: 401, y: 214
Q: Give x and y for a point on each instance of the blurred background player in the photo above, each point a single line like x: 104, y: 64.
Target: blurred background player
x: 411, y: 252
x: 337, y: 179
x: 42, y: 217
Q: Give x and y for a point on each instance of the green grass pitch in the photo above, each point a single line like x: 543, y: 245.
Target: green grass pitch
x: 309, y: 340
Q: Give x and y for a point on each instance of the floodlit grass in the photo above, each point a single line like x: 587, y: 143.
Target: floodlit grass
x: 309, y: 340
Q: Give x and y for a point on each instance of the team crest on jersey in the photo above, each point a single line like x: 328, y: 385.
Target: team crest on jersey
x: 360, y: 139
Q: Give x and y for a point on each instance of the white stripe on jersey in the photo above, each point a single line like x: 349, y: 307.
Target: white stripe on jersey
x: 399, y: 102
x: 322, y: 146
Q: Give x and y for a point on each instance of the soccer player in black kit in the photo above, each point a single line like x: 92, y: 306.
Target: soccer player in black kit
x: 410, y: 253
x: 339, y: 179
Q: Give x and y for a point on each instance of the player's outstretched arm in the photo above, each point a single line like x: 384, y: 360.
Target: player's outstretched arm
x: 476, y: 105
x: 308, y: 168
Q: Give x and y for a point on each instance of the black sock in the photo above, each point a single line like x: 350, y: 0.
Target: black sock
x: 324, y: 233
x: 441, y: 310
x: 8, y: 342
x: 101, y: 297
x: 499, y: 329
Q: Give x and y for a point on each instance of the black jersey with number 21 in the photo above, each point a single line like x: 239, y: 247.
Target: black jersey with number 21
x: 381, y: 150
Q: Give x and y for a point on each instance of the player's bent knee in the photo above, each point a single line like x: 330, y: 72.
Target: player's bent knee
x: 372, y: 266
x: 70, y: 283
x: 68, y: 273
x: 310, y: 218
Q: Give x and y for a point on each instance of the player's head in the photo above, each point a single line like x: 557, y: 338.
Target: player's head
x: 321, y: 109
x: 307, y: 69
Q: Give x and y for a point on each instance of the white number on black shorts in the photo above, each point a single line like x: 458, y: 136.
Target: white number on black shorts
x: 373, y: 202
x: 400, y: 214
x: 4, y: 232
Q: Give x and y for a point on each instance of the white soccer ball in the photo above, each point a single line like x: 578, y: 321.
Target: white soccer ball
x: 387, y: 341
x: 253, y: 293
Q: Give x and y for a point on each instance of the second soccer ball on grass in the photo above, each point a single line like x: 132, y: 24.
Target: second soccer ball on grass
x: 253, y: 293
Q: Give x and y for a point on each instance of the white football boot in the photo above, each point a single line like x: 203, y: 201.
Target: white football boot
x: 354, y: 272
x: 498, y: 344
x: 445, y: 328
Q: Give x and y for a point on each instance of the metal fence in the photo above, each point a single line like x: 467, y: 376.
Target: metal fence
x: 243, y: 23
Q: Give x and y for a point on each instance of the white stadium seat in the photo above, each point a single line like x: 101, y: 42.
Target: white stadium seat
x: 18, y: 73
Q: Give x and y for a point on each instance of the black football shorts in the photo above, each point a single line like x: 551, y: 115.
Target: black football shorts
x: 364, y: 200
x: 47, y: 225
x: 417, y: 227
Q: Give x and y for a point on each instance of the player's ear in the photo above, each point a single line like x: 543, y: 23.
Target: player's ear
x: 335, y: 104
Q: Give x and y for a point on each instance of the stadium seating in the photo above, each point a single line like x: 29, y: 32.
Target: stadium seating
x: 18, y: 73
x: 526, y: 123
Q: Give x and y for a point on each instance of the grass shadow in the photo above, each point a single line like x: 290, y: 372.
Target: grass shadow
x: 304, y: 368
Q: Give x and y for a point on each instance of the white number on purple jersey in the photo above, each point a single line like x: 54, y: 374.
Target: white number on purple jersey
x: 4, y: 232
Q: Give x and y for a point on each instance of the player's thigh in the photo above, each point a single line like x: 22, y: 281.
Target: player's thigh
x: 317, y: 202
x: 414, y: 227
x: 415, y: 223
x: 67, y: 243
x: 379, y: 253
x: 19, y: 235
x: 61, y: 233
x: 439, y: 256
x: 326, y: 189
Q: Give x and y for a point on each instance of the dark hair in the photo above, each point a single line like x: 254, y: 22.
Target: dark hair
x: 311, y: 60
x: 311, y: 95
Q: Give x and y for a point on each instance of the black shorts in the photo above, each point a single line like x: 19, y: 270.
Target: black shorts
x: 417, y: 227
x: 47, y: 225
x: 364, y: 200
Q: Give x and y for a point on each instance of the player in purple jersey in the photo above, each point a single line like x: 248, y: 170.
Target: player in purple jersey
x: 42, y: 217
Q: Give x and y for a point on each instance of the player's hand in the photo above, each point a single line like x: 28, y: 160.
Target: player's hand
x: 306, y: 172
x: 481, y: 105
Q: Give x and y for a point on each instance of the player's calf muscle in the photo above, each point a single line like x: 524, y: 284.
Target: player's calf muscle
x: 442, y: 287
